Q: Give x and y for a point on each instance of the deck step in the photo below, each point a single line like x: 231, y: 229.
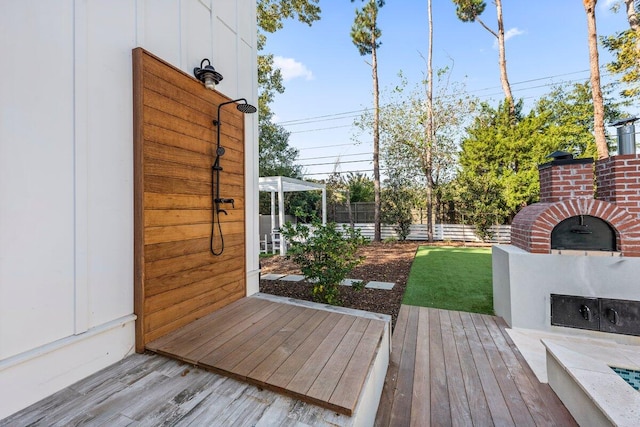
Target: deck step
x: 317, y: 354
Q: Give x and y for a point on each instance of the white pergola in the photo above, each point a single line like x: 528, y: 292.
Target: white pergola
x: 282, y: 184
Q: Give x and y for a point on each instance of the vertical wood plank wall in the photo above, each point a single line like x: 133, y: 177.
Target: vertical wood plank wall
x: 177, y: 279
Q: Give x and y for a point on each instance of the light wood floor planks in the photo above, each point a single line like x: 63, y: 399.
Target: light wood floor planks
x: 153, y: 390
x: 454, y: 368
x: 315, y: 356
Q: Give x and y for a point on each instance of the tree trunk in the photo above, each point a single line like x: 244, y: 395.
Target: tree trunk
x: 504, y: 80
x: 376, y: 142
x: 430, y: 137
x: 349, y: 211
x: 502, y: 59
x: 632, y: 17
x: 596, y: 89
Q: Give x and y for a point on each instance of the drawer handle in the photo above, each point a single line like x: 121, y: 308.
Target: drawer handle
x: 612, y: 315
x: 585, y: 312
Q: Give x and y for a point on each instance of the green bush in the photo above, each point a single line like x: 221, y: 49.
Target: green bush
x: 325, y: 255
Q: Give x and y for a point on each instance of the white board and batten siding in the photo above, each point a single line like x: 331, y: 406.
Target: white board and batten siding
x: 66, y: 159
x: 442, y: 232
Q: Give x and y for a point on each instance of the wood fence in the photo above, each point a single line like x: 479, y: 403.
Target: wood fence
x: 441, y: 232
x: 177, y: 279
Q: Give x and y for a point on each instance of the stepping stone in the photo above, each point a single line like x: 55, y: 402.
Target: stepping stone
x: 349, y: 282
x: 292, y: 278
x: 380, y: 285
x: 271, y: 276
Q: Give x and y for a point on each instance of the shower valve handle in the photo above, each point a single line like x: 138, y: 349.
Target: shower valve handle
x: 227, y: 201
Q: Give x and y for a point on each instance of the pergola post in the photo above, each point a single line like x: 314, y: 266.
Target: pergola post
x: 324, y: 206
x: 283, y: 249
x: 273, y: 211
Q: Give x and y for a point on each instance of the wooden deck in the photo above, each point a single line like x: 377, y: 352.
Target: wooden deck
x: 317, y: 356
x: 453, y: 368
x: 153, y: 390
x: 446, y: 368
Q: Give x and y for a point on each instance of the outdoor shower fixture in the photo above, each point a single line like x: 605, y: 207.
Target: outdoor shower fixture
x: 207, y: 75
x: 243, y: 106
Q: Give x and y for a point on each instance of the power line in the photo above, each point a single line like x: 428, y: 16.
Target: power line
x: 342, y: 172
x: 325, y: 146
x: 335, y: 156
x: 340, y: 163
x: 352, y: 125
x: 319, y: 129
x: 346, y: 114
x: 356, y: 113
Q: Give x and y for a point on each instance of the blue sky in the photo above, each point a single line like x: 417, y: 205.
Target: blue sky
x: 328, y: 83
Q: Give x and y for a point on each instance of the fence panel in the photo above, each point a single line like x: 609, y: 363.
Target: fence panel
x: 441, y: 232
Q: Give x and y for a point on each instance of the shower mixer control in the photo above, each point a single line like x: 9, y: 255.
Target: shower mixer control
x: 232, y: 201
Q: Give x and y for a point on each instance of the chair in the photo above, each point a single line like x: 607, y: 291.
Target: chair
x: 264, y: 245
x: 275, y: 240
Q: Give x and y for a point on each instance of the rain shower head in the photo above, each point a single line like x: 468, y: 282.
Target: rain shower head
x: 246, y: 108
x: 241, y: 104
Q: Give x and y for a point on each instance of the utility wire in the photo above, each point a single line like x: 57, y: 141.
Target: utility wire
x: 357, y: 113
x: 335, y: 156
x: 340, y: 163
x: 342, y: 172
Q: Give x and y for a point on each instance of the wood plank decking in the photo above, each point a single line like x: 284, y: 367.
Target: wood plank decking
x: 317, y: 356
x: 454, y: 368
x: 446, y: 368
x: 153, y: 390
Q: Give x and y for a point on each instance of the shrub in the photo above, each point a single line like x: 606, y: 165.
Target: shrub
x: 325, y: 255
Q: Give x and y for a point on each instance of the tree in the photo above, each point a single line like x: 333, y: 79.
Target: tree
x: 470, y: 11
x: 429, y: 129
x: 596, y: 89
x: 270, y: 15
x: 625, y: 45
x: 365, y: 35
x: 501, y: 157
x: 276, y: 156
x: 361, y: 187
x: 397, y: 203
x: 325, y: 256
x: 479, y: 199
x: 569, y: 116
x: 412, y: 153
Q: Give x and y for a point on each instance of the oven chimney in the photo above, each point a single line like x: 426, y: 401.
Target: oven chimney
x: 565, y: 178
x: 626, y: 135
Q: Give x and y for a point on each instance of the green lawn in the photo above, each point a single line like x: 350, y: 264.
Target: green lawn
x: 452, y: 279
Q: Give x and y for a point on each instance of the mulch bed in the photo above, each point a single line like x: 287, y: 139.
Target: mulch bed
x: 384, y: 262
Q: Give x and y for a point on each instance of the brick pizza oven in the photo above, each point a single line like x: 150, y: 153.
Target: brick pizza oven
x: 567, y: 197
x: 574, y: 259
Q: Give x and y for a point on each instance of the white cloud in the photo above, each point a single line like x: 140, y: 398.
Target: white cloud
x: 512, y: 32
x: 291, y: 69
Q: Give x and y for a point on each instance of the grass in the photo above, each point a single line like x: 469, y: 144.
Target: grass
x: 452, y: 279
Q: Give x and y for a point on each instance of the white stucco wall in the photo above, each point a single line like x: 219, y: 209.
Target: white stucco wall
x: 523, y: 283
x: 66, y: 171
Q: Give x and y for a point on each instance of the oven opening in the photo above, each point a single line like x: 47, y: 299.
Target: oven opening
x: 584, y: 232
